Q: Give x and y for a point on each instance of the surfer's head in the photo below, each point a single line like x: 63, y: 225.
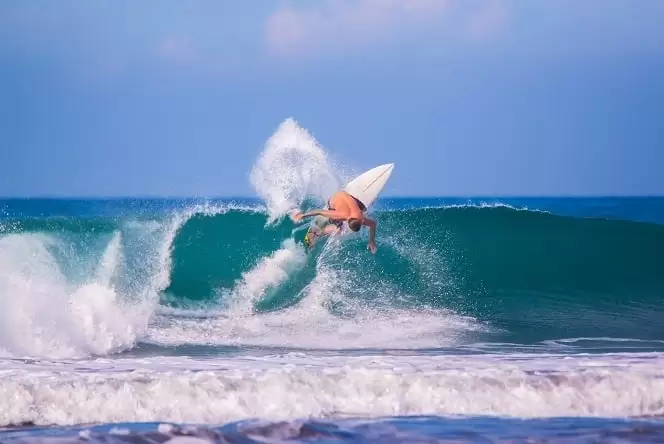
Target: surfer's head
x: 354, y: 224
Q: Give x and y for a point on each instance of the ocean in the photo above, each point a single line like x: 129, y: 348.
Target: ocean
x: 193, y: 320
x: 499, y: 319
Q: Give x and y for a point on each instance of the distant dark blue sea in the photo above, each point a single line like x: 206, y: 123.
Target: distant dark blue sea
x: 477, y: 320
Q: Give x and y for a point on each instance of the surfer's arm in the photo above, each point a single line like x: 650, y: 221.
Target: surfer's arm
x: 372, y: 233
x: 330, y: 214
x: 372, y: 228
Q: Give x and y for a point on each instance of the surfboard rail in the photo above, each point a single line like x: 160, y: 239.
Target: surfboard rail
x: 367, y: 186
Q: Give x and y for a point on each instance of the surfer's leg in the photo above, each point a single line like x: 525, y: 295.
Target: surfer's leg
x: 330, y: 229
x: 312, y: 236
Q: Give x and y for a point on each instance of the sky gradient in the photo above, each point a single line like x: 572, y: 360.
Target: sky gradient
x: 467, y: 97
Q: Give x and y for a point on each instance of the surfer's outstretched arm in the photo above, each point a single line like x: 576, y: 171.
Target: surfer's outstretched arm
x: 331, y: 214
x: 372, y: 233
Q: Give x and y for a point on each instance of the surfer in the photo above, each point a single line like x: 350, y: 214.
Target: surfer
x: 341, y: 207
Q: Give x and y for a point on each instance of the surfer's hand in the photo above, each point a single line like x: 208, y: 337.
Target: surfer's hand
x: 297, y: 217
x: 372, y: 247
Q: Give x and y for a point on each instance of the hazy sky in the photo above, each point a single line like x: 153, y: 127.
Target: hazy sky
x: 488, y: 97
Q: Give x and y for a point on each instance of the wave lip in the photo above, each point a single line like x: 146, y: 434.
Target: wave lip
x: 294, y: 386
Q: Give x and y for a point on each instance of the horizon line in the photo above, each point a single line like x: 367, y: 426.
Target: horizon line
x: 404, y: 196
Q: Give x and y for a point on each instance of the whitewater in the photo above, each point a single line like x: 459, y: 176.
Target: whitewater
x: 485, y: 318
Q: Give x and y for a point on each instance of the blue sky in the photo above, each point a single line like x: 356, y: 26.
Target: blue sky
x: 468, y: 97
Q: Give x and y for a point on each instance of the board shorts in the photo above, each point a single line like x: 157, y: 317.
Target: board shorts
x: 317, y: 228
x: 359, y: 203
x: 321, y: 222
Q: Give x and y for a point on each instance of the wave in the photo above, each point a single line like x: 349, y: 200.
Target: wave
x: 93, y: 278
x: 499, y: 273
x: 489, y: 248
x: 532, y: 274
x: 221, y: 390
x: 74, y: 288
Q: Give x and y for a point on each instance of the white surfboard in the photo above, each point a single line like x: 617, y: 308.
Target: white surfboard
x: 369, y: 184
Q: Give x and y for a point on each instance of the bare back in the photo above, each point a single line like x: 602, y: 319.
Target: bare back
x: 345, y: 203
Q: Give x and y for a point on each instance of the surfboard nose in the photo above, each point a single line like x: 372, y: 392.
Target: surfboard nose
x: 369, y: 184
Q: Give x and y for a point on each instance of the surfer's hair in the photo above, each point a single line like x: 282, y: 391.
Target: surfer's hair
x: 354, y: 224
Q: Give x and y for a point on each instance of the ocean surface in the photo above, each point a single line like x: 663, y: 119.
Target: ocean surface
x: 477, y: 319
x: 204, y: 320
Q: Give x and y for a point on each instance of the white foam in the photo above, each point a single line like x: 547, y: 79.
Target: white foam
x: 110, y: 261
x: 471, y: 204
x: 312, y: 323
x: 296, y: 386
x: 292, y: 167
x: 49, y: 314
x: 325, y: 315
x: 317, y: 328
x: 45, y: 315
x: 57, y: 305
x: 268, y: 273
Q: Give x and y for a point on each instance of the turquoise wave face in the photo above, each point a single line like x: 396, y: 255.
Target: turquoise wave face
x: 529, y: 275
x: 532, y: 274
